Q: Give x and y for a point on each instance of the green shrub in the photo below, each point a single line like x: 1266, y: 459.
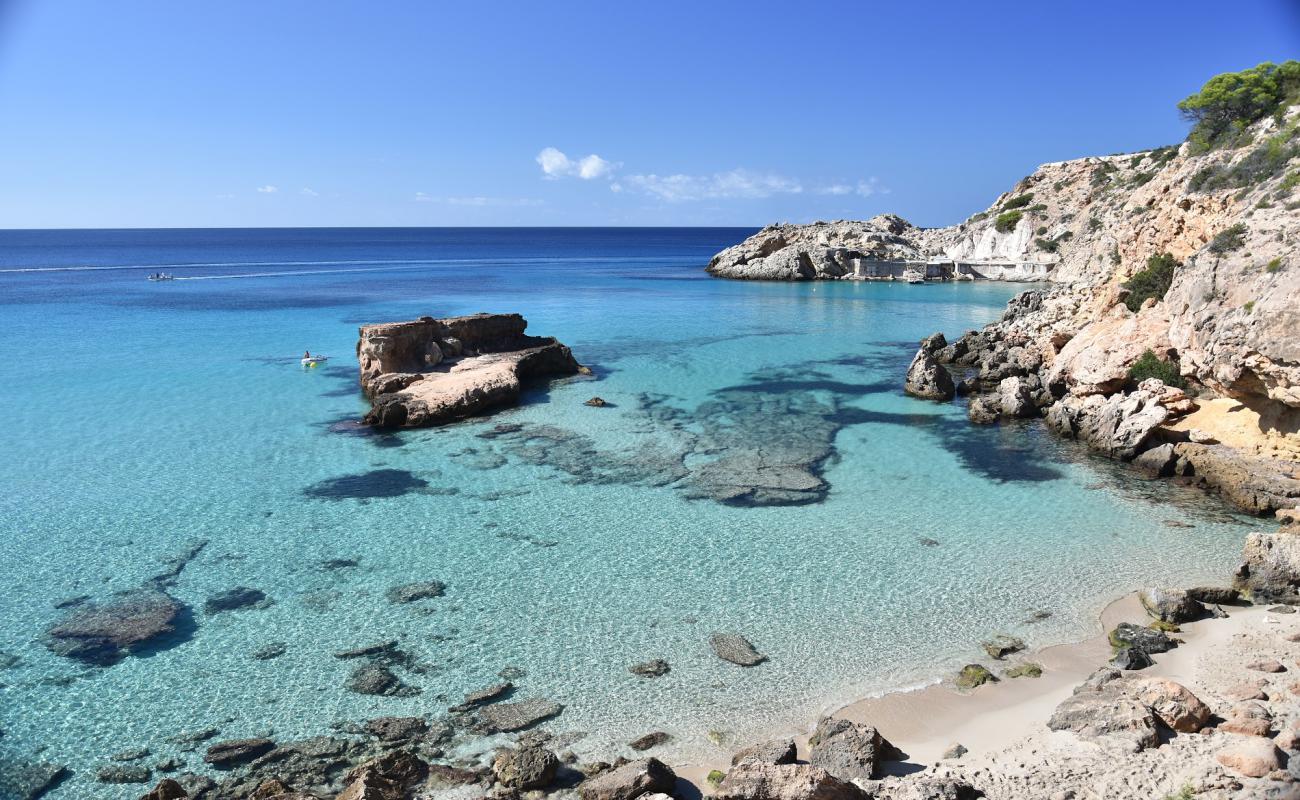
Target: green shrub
x: 1266, y: 161
x: 1163, y: 155
x: 1150, y: 366
x: 1263, y: 204
x: 1102, y: 174
x: 1249, y: 306
x: 1154, y: 281
x: 1233, y: 238
x: 1289, y: 182
x: 1042, y: 229
x: 1141, y: 179
x: 1035, y: 208
x: 1274, y: 266
x: 977, y: 217
x: 1007, y: 221
x: 1094, y: 224
x: 1050, y: 245
x: 1018, y: 202
x: 1230, y: 102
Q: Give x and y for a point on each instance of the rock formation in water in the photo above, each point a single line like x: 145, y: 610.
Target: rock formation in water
x: 1180, y: 264
x: 431, y: 371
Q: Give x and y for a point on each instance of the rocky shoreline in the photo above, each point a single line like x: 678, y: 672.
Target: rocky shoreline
x: 1190, y: 687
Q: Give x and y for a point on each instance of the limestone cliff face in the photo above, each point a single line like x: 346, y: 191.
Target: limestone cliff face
x: 1231, y: 318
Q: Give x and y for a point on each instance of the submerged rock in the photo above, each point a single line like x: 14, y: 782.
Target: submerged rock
x: 396, y: 729
x: 102, y: 634
x: 29, y: 780
x: 487, y: 694
x: 270, y: 651
x: 518, y: 716
x: 419, y: 590
x: 124, y: 773
x: 650, y: 740
x: 235, y: 599
x: 224, y: 755
x: 735, y: 648
x: 654, y: 668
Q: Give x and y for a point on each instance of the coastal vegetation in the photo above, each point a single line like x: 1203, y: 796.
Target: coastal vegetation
x: 1018, y: 202
x: 1154, y: 281
x: 1226, y: 241
x: 1149, y: 365
x: 1007, y: 221
x: 1230, y: 102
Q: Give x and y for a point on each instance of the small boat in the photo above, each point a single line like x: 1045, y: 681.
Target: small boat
x: 162, y: 276
x: 912, y: 276
x: 314, y: 360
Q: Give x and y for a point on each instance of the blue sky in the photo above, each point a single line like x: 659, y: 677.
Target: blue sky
x: 153, y: 113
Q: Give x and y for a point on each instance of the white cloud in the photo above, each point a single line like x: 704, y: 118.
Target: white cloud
x: 738, y: 183
x: 477, y: 200
x: 555, y: 164
x: 268, y: 189
x: 861, y: 188
x: 309, y: 192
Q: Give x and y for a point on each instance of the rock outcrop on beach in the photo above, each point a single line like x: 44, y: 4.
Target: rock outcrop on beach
x: 432, y: 371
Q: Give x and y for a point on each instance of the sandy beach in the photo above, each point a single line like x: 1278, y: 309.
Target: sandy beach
x: 1011, y: 752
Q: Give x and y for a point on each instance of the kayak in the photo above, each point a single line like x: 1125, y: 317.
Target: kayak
x: 314, y: 360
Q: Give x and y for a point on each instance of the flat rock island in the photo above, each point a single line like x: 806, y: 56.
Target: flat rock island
x: 433, y: 371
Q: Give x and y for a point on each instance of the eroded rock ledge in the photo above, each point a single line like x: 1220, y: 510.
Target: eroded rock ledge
x: 432, y: 371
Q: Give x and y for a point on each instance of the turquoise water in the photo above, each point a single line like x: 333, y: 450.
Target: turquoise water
x: 141, y: 417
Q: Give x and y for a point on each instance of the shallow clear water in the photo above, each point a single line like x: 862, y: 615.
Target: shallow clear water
x: 141, y: 417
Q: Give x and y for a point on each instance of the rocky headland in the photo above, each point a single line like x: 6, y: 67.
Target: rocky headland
x: 1164, y: 330
x: 432, y: 371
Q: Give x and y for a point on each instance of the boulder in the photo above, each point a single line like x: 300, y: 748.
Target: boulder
x: 1257, y: 484
x: 489, y: 358
x: 1137, y: 637
x: 1105, y: 709
x: 756, y: 780
x: 102, y: 634
x: 388, y: 777
x: 1170, y: 605
x: 1015, y: 397
x: 166, y: 789
x: 630, y: 781
x: 1270, y: 565
x: 928, y: 379
x: 983, y: 410
x: 1252, y: 757
x: 1172, y: 703
x: 1267, y: 665
x: 233, y: 752
x: 776, y: 751
x: 526, y: 768
x: 1248, y: 719
x: 735, y: 648
x: 847, y: 750
x: 488, y: 694
x: 1131, y: 658
x: 973, y: 675
x: 377, y: 679
x: 1003, y: 645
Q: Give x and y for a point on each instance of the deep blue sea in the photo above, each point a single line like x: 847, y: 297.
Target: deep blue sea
x: 141, y: 417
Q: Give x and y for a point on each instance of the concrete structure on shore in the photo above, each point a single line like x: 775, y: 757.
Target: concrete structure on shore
x: 865, y: 269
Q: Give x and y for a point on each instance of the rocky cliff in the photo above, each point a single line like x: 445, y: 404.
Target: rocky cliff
x: 431, y: 371
x: 1185, y: 254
